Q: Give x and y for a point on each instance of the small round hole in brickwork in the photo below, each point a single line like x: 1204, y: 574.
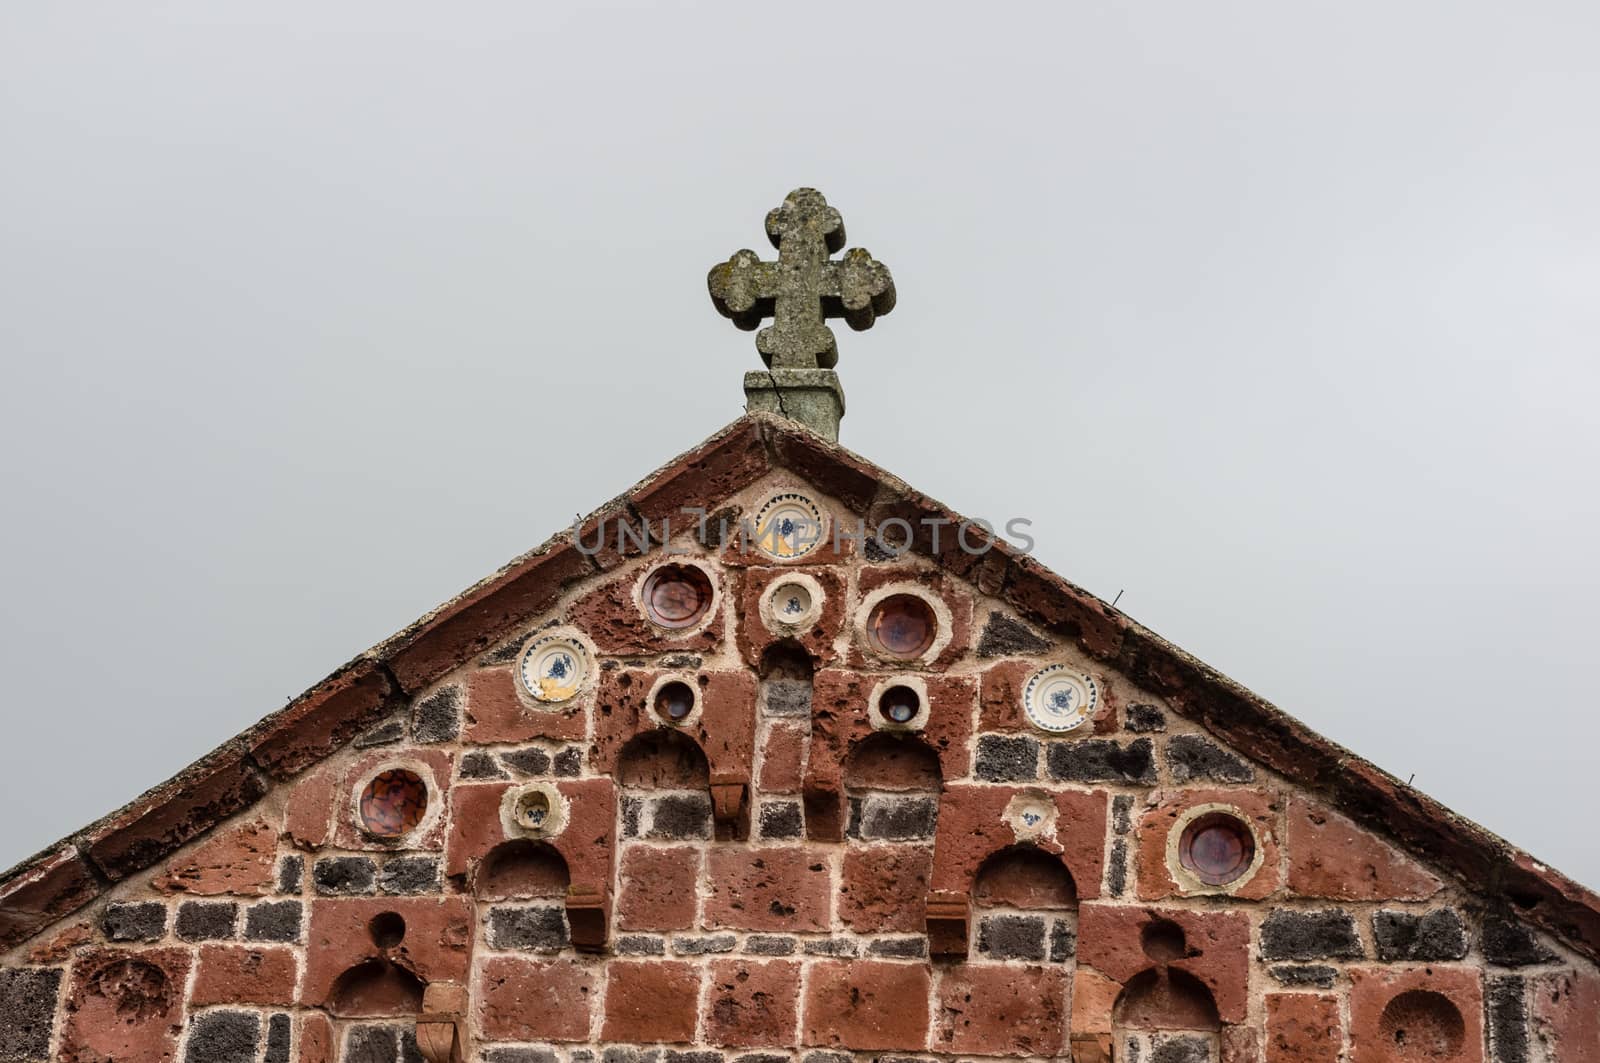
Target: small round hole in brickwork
x: 677, y: 596
x: 393, y: 803
x: 1162, y: 940
x: 902, y: 625
x: 1420, y: 1024
x: 388, y: 929
x: 1217, y: 848
x: 900, y: 704
x: 674, y: 701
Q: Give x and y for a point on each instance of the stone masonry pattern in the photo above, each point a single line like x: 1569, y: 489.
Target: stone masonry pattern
x: 780, y: 877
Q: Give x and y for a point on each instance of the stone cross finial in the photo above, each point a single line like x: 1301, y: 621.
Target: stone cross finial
x: 804, y: 287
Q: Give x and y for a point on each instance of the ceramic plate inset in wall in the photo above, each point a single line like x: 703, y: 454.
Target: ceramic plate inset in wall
x: 553, y: 668
x: 789, y: 526
x: 1058, y: 699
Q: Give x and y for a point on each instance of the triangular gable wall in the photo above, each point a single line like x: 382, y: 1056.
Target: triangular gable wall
x: 1324, y: 800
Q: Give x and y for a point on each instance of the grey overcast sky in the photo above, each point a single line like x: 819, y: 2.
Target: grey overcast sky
x: 1279, y: 318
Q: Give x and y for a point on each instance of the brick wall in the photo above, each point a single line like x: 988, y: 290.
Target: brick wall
x: 789, y: 873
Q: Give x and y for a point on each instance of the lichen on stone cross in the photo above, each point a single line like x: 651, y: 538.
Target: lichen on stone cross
x: 804, y: 287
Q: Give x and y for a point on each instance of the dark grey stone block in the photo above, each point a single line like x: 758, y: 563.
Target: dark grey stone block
x: 206, y: 920
x: 1007, y: 758
x: 1103, y: 760
x: 277, y: 921
x: 27, y: 1012
x: 1328, y: 933
x: 144, y: 921
x: 344, y: 876
x: 539, y: 929
x: 224, y: 1037
x: 1191, y: 758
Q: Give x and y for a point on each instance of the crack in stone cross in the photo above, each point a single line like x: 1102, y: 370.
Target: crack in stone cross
x: 804, y: 287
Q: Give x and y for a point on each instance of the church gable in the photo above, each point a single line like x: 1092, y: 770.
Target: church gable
x: 775, y: 759
x: 667, y: 784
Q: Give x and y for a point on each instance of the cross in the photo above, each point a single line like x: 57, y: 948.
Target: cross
x: 804, y: 287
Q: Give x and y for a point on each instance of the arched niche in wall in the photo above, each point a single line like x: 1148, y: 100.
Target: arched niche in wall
x: 1025, y: 905
x: 1162, y: 1008
x: 892, y: 782
x: 521, y: 869
x: 665, y: 785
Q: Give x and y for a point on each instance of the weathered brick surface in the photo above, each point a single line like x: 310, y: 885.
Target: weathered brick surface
x: 992, y: 1010
x: 769, y: 889
x: 752, y: 1003
x: 650, y: 1001
x: 658, y: 888
x: 1331, y: 857
x: 239, y: 860
x: 1304, y: 1028
x: 234, y: 974
x: 866, y: 1006
x: 536, y: 1000
x: 884, y: 889
x: 125, y: 1005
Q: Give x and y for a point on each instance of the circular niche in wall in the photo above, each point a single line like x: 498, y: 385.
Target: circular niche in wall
x: 902, y: 626
x: 392, y: 803
x: 676, y: 596
x: 1217, y: 848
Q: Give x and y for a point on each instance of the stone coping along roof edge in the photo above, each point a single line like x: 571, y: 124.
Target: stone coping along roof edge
x: 73, y: 872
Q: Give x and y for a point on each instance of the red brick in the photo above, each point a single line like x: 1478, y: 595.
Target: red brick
x: 125, y: 1006
x: 536, y: 1000
x: 1331, y: 857
x: 839, y: 721
x: 1372, y: 989
x: 867, y: 1005
x: 36, y: 896
x: 174, y: 813
x: 585, y: 843
x: 61, y: 944
x: 781, y: 760
x: 486, y: 614
x: 611, y: 617
x: 308, y: 819
x: 1260, y: 807
x: 436, y: 945
x: 495, y: 712
x: 884, y: 888
x: 830, y: 467
x: 1304, y: 1028
x: 752, y: 1004
x: 316, y: 1038
x: 240, y: 861
x: 237, y: 974
x: 658, y: 888
x: 1002, y: 1010
x: 972, y: 827
x: 769, y: 889
x: 1566, y: 1014
x: 1216, y: 948
x: 753, y: 636
x: 650, y: 1001
x: 322, y: 719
